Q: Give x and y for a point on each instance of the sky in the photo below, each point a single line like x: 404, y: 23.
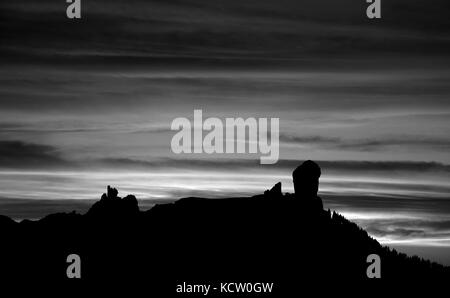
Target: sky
x: 89, y: 102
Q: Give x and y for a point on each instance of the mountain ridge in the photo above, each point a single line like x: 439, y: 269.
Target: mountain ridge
x: 274, y: 236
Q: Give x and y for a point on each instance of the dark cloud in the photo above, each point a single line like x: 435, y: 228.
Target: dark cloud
x: 73, y: 91
x: 136, y: 32
x: 18, y: 154
x: 284, y: 164
x: 10, y: 126
x: 24, y: 128
x: 378, y: 144
x: 308, y: 140
x: 368, y: 144
x: 15, y: 153
x: 58, y: 127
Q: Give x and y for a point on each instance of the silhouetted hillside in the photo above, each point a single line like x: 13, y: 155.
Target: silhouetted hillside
x: 287, y: 239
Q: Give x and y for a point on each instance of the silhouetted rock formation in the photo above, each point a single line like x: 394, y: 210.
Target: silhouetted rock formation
x: 268, y: 238
x: 306, y: 185
x: 275, y: 191
x: 112, y: 206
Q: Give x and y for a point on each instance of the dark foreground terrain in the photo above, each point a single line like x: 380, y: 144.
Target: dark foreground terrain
x: 272, y: 237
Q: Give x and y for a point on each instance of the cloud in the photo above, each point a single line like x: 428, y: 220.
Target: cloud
x: 180, y: 32
x: 308, y: 140
x: 367, y: 144
x: 398, y: 229
x: 54, y: 127
x: 388, y: 166
x: 378, y: 144
x: 367, y: 201
x: 283, y: 164
x: 34, y: 129
x: 18, y: 154
x: 69, y: 91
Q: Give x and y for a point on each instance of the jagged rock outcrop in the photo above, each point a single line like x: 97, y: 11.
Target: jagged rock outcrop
x: 111, y: 206
x: 275, y: 191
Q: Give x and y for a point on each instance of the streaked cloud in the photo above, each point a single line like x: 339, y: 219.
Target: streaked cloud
x: 19, y: 154
x: 139, y: 32
x: 368, y: 144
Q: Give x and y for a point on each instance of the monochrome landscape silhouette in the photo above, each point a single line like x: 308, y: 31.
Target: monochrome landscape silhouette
x: 287, y: 239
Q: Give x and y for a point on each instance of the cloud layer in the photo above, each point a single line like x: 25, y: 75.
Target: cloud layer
x: 190, y: 30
